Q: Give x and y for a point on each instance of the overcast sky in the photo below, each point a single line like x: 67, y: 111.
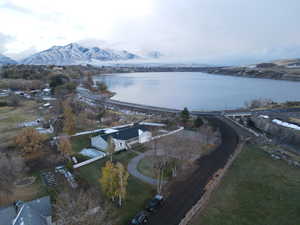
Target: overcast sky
x: 208, y: 31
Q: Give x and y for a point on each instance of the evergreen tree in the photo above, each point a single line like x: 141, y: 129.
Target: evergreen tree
x: 185, y: 115
x: 198, y: 122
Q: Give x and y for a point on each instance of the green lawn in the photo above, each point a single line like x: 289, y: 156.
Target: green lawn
x: 256, y: 190
x: 138, y: 192
x: 145, y: 167
x: 82, y: 141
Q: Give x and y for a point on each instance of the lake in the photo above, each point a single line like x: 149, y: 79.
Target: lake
x: 196, y: 90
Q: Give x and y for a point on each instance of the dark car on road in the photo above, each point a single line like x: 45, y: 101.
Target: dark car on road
x: 140, y: 218
x: 155, y: 203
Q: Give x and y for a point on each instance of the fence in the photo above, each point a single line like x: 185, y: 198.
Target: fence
x: 240, y: 125
x: 87, y: 162
x: 129, y: 144
x: 167, y: 134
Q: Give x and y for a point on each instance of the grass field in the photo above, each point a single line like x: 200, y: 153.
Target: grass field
x: 11, y: 117
x: 80, y: 142
x: 256, y: 190
x: 138, y: 192
x: 145, y: 167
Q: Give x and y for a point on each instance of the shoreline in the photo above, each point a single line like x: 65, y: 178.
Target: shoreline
x: 155, y: 109
x: 259, y: 73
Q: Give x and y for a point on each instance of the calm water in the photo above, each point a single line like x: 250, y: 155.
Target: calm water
x: 196, y: 90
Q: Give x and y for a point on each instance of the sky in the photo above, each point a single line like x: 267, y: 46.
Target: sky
x: 203, y: 31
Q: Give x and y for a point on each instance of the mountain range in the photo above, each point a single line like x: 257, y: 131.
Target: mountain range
x: 76, y: 54
x: 6, y: 60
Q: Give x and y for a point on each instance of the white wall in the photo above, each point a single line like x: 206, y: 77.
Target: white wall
x: 120, y: 145
x: 144, y: 136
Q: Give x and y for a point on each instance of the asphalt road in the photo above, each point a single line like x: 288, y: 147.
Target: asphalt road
x: 200, y: 113
x: 185, y: 193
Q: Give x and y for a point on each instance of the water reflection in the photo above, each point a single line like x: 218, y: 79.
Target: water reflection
x: 198, y: 91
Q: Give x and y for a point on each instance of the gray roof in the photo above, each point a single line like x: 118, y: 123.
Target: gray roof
x: 29, y: 216
x: 29, y: 213
x: 7, y: 215
x: 42, y: 205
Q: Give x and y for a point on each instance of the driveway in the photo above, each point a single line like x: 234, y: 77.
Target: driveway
x: 132, y: 168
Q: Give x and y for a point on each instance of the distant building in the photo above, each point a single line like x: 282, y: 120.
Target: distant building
x: 36, y: 212
x: 122, y: 137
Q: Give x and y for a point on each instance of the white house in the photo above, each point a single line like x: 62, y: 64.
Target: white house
x: 122, y: 137
x: 144, y: 136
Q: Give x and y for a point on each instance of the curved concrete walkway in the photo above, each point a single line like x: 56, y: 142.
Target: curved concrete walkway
x: 132, y: 169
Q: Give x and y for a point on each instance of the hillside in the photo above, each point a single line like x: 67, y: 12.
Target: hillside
x: 74, y: 53
x: 288, y: 69
x: 4, y: 60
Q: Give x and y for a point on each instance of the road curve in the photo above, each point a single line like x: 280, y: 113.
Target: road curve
x: 185, y: 193
x: 196, y: 113
x: 132, y: 169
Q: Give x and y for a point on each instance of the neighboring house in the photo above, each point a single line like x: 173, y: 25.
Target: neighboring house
x: 122, y: 137
x: 36, y: 212
x: 42, y: 130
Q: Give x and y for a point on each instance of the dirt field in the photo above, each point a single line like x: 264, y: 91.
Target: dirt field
x: 185, y: 193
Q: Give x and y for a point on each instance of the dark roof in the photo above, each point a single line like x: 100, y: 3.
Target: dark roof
x: 126, y: 133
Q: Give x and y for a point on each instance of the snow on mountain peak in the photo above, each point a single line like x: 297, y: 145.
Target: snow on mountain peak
x: 74, y: 53
x: 6, y: 60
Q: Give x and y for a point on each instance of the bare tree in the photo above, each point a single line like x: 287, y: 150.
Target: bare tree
x: 12, y: 166
x: 122, y: 175
x: 257, y: 103
x: 69, y: 118
x: 30, y: 142
x: 158, y: 166
x: 111, y: 147
x: 81, y: 207
x: 65, y: 147
x: 169, y: 153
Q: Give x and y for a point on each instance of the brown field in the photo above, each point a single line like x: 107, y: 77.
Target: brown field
x: 10, y: 117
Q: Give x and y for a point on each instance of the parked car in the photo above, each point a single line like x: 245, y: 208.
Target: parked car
x: 140, y: 218
x: 155, y: 203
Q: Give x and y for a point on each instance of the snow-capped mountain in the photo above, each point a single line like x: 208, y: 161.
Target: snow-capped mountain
x: 6, y: 60
x: 76, y: 54
x: 154, y: 54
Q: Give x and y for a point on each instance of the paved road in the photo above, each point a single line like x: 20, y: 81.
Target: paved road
x: 185, y: 193
x: 132, y: 169
x: 97, y: 99
x: 200, y: 113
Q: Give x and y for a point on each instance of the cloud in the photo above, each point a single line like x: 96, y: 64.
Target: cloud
x: 23, y: 54
x: 4, y: 40
x: 11, y: 6
x: 205, y: 31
